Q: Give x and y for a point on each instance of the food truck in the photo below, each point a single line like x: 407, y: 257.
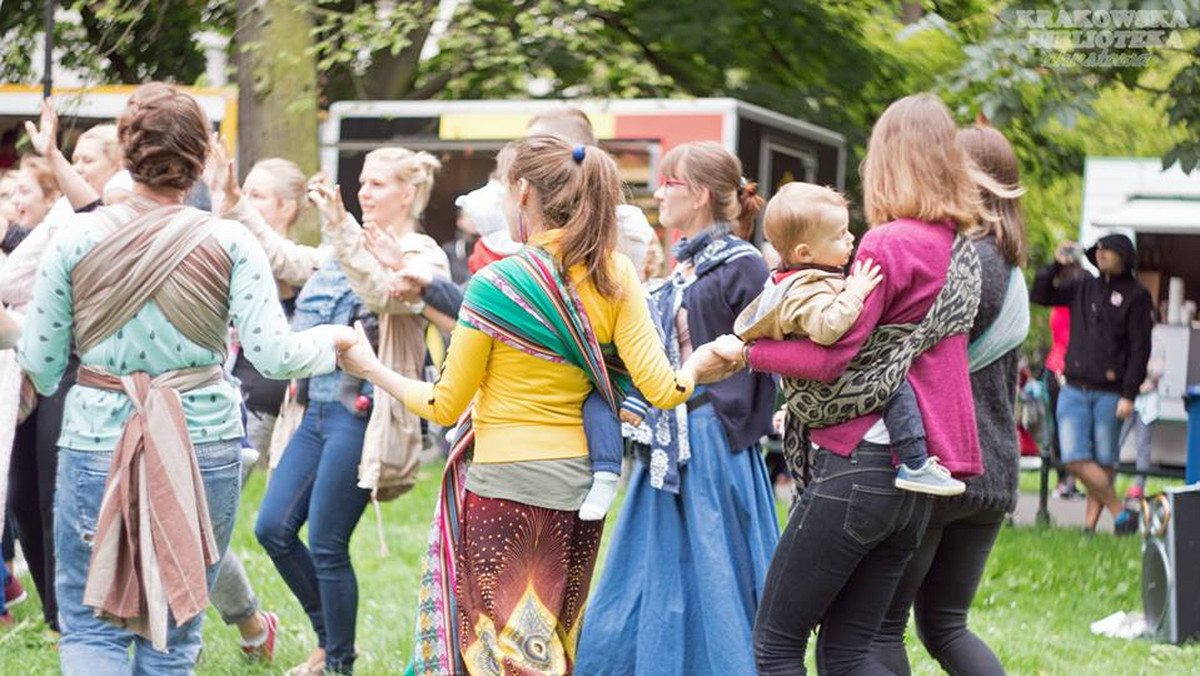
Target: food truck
x: 82, y: 107
x: 465, y: 136
x: 1160, y: 211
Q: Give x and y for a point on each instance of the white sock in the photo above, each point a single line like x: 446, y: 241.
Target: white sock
x: 601, y: 495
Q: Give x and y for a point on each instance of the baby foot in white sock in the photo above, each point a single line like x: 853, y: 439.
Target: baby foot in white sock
x: 600, y: 497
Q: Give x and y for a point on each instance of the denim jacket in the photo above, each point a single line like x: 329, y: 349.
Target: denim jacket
x: 327, y: 299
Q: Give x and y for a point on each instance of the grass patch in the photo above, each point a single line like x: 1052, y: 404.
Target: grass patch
x: 1041, y: 590
x: 1031, y: 480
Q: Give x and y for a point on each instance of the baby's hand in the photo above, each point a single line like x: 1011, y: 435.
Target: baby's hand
x: 630, y: 417
x: 864, y: 276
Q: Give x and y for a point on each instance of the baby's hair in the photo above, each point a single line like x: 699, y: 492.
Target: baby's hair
x: 799, y: 211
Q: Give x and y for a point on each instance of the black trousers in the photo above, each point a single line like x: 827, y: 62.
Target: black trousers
x: 837, y: 564
x: 939, y: 585
x: 31, y: 479
x: 1052, y: 390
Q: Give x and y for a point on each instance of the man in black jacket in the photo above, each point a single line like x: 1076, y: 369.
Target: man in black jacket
x: 1105, y: 366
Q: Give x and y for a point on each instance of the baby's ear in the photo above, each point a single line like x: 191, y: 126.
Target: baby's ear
x: 801, y: 253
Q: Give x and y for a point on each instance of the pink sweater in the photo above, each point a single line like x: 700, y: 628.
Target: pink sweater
x: 913, y: 257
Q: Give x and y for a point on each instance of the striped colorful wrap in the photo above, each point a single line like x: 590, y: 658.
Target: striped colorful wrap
x: 525, y: 302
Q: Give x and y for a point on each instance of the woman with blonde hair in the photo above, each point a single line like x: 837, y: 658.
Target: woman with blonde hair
x: 531, y: 344
x: 353, y: 443
x: 847, y: 542
x: 689, y: 557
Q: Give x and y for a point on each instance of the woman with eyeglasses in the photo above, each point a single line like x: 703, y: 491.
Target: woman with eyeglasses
x: 691, y: 550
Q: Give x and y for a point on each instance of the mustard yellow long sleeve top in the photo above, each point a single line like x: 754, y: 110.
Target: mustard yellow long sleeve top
x: 531, y: 409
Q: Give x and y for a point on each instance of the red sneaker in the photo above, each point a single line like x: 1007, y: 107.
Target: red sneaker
x: 14, y: 593
x: 265, y: 651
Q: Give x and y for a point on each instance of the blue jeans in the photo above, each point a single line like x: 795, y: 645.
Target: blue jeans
x: 1088, y: 427
x: 838, y: 564
x: 317, y: 481
x: 603, y: 431
x: 906, y: 427
x: 93, y: 646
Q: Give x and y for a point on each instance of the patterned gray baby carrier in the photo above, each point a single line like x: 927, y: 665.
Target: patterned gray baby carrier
x: 876, y: 372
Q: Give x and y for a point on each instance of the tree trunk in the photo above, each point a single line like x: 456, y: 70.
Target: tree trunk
x: 277, y: 88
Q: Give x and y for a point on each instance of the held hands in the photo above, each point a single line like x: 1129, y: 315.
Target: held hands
x: 328, y: 201
x: 716, y: 361
x: 357, y: 359
x: 864, y: 276
x: 730, y: 348
x: 44, y: 137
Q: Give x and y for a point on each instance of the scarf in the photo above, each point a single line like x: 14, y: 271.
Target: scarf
x: 877, y: 371
x: 1008, y: 330
x: 668, y: 449
x: 526, y: 303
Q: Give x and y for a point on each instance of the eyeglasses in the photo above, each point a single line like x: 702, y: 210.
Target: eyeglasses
x: 671, y: 182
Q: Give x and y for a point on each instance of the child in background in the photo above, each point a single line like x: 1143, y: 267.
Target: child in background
x: 810, y: 296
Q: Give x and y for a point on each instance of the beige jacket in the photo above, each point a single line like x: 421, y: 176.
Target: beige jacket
x: 812, y: 303
x: 390, y: 457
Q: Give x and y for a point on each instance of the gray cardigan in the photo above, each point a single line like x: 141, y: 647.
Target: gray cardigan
x: 995, y: 390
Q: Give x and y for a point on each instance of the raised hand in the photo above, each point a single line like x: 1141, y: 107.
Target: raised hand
x: 328, y: 201
x: 864, y: 276
x: 384, y: 246
x: 44, y: 137
x: 221, y: 175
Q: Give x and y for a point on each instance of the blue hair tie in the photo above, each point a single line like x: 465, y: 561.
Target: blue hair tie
x: 579, y: 153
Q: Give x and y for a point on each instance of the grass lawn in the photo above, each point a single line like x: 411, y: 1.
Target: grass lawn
x: 1042, y: 589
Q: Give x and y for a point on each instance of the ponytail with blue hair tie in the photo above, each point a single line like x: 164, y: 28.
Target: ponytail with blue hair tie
x: 578, y: 154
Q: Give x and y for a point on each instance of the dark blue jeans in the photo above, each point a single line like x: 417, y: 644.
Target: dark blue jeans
x: 838, y: 564
x: 317, y: 481
x: 906, y: 427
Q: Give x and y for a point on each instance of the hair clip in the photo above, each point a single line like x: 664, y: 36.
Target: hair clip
x: 579, y: 153
x: 742, y: 181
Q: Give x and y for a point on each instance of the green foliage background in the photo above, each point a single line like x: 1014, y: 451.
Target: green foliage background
x: 835, y: 64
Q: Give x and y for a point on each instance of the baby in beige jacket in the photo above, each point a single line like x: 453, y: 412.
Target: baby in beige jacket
x: 809, y: 296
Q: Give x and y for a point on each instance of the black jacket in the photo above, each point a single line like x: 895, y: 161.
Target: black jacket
x: 1110, y: 322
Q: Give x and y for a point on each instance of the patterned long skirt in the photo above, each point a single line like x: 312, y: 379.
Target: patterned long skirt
x: 523, y: 578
